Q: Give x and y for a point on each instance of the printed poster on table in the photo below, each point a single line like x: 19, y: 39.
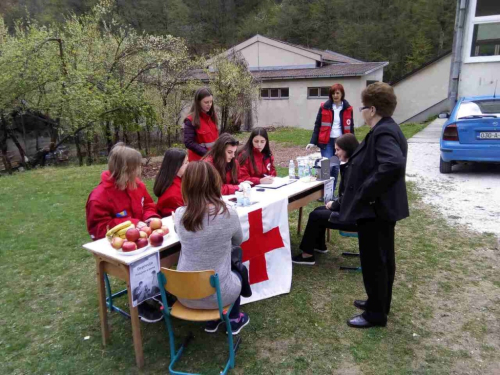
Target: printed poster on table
x: 144, y: 279
x: 328, y: 195
x: 266, y: 250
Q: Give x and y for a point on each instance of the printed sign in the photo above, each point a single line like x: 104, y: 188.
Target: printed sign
x: 328, y: 195
x: 144, y: 279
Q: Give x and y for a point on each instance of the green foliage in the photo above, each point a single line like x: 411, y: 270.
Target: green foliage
x: 234, y: 88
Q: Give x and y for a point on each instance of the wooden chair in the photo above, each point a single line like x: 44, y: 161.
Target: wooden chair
x: 193, y: 285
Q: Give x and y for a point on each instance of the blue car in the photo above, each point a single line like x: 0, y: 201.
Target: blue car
x: 471, y: 133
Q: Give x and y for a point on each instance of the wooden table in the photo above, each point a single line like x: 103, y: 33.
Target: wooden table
x: 110, y: 262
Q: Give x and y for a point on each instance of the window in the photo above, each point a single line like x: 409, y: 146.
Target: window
x: 369, y: 82
x: 281, y: 93
x: 484, y: 33
x: 318, y: 92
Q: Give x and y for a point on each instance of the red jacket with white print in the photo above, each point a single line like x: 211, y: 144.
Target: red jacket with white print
x: 264, y: 164
x: 108, y: 206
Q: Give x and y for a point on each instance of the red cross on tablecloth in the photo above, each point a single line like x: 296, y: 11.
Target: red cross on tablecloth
x: 258, y: 244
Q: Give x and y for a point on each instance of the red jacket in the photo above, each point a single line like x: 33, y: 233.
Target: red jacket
x: 199, y: 141
x: 107, y: 206
x: 265, y: 165
x: 227, y: 187
x: 171, y: 199
x: 324, y: 121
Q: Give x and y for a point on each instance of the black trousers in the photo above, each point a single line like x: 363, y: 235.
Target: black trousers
x: 314, y: 235
x: 378, y: 265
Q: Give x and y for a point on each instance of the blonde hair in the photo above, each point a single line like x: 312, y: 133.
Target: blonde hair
x: 124, y: 164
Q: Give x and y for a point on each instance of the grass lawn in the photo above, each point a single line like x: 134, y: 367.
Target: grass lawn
x: 301, y: 137
x: 444, y: 319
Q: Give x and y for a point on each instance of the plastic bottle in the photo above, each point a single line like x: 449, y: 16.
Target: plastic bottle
x: 301, y: 167
x: 291, y: 170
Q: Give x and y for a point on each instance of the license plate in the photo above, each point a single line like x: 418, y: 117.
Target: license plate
x: 489, y: 135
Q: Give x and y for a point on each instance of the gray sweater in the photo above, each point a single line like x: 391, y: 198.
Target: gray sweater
x: 210, y: 249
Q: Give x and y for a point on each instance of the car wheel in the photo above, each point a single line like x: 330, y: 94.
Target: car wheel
x: 444, y: 166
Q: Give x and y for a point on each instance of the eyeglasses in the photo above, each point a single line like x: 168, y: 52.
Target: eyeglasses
x: 362, y: 108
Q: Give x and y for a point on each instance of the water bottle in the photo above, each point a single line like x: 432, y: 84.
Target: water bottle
x: 291, y: 170
x: 301, y: 167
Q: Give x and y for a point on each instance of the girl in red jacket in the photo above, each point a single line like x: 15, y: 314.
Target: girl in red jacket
x: 200, y: 127
x: 168, y: 181
x: 256, y: 160
x: 120, y: 196
x: 223, y: 157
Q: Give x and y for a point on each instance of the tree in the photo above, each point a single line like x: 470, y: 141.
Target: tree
x: 234, y: 88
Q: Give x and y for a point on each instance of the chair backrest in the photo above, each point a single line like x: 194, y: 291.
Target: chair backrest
x: 189, y: 284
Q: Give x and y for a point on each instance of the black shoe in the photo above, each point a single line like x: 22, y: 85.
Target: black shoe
x: 150, y: 311
x: 213, y: 325
x: 321, y: 251
x: 360, y: 304
x: 298, y: 259
x: 360, y: 322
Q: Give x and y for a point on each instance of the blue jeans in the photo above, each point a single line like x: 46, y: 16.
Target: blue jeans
x: 329, y: 152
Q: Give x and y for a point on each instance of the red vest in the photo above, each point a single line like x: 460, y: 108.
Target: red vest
x: 206, y: 135
x: 327, y: 121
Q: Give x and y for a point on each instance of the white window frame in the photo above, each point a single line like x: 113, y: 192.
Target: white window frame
x: 472, y: 21
x: 279, y: 93
x: 319, y: 92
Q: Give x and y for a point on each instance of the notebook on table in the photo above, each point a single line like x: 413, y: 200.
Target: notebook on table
x: 277, y: 183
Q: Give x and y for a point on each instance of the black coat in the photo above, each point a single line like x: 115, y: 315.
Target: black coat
x: 376, y: 186
x: 317, y: 124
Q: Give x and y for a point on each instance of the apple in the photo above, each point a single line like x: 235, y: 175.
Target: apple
x: 147, y: 230
x: 155, y: 223
x: 165, y: 229
x: 117, y: 242
x: 129, y: 246
x: 142, y: 242
x: 159, y: 231
x: 132, y: 234
x: 143, y: 234
x: 156, y: 239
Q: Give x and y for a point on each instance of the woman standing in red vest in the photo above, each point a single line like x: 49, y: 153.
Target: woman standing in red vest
x: 256, y: 160
x: 335, y: 117
x: 200, y: 127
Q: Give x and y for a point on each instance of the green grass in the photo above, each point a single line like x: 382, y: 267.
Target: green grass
x: 49, y: 299
x: 301, y: 137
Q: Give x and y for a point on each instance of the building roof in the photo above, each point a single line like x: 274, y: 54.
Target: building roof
x: 326, y: 55
x: 424, y: 65
x: 328, y: 71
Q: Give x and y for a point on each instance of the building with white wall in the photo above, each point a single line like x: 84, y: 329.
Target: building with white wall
x: 295, y: 80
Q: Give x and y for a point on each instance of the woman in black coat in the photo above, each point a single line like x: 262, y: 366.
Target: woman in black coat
x: 375, y: 198
x: 328, y: 216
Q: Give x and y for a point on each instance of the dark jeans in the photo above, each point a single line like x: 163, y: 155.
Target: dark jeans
x: 378, y: 265
x: 314, y: 235
x: 329, y: 152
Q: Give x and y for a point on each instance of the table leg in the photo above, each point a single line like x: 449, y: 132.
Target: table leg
x: 136, y: 328
x: 102, y: 301
x: 300, y: 221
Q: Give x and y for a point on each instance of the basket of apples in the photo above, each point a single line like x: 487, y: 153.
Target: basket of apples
x: 129, y: 239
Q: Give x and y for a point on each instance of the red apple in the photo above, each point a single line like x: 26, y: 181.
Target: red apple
x: 147, y: 230
x: 159, y: 231
x: 155, y: 223
x: 156, y: 239
x: 129, y: 246
x: 117, y: 242
x: 143, y: 234
x: 165, y: 229
x: 133, y: 234
x: 142, y: 242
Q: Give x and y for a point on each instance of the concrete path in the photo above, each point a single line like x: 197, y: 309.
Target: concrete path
x: 469, y: 196
x: 430, y: 134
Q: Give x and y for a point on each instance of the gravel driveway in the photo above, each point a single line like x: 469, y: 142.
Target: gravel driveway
x: 470, y: 195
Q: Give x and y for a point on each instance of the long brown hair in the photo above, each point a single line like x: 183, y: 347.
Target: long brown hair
x: 199, y: 95
x: 201, y: 187
x: 124, y: 165
x: 218, y: 155
x: 247, y: 150
x: 172, y: 162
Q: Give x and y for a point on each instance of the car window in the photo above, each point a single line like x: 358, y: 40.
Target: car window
x: 479, y: 107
